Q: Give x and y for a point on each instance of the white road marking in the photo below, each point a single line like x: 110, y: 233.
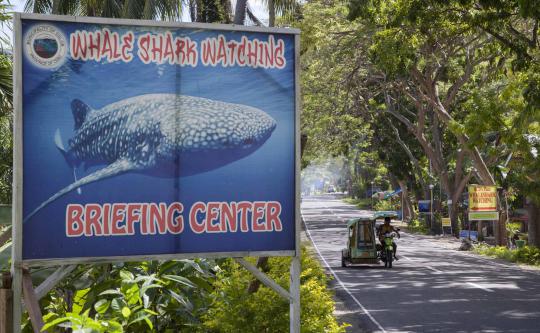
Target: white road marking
x: 406, y: 258
x: 433, y: 269
x: 339, y: 280
x: 428, y: 267
x: 480, y: 287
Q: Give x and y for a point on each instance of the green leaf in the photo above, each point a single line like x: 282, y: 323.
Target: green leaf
x: 102, y: 306
x: 54, y: 323
x: 126, y: 276
x: 126, y: 312
x: 110, y: 292
x: 179, y: 279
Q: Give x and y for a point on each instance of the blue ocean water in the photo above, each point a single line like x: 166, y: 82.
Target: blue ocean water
x: 265, y: 175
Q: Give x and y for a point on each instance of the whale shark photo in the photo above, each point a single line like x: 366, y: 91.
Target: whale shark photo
x: 163, y: 135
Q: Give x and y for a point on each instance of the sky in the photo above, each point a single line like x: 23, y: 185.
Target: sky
x: 256, y: 5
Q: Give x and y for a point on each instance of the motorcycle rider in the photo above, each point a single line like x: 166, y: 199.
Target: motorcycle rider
x: 386, y: 227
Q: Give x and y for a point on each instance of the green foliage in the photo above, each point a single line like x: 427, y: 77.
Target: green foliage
x: 388, y: 204
x: 418, y: 227
x: 6, y: 98
x: 513, y: 229
x: 394, y: 52
x: 361, y: 203
x: 185, y: 296
x: 233, y: 309
x: 528, y: 255
x: 137, y: 297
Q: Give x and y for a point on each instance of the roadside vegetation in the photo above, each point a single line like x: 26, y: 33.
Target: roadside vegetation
x: 361, y: 203
x: 187, y: 296
x: 417, y: 227
x: 526, y: 255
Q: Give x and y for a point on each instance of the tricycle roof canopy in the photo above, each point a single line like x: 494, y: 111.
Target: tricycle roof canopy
x: 367, y: 217
x: 383, y: 214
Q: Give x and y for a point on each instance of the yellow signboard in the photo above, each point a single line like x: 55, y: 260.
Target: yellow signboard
x: 446, y: 222
x: 482, y: 198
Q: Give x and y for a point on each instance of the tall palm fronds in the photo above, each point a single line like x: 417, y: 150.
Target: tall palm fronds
x: 275, y: 7
x: 133, y: 9
x: 279, y: 7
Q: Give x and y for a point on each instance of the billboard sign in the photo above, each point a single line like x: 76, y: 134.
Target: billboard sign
x: 482, y: 198
x: 446, y: 222
x: 424, y: 206
x: 152, y: 140
x: 464, y: 234
x: 483, y: 216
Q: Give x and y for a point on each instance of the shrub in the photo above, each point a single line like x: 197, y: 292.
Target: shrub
x: 186, y: 296
x: 235, y: 310
x: 529, y: 255
x: 385, y: 205
x: 417, y: 226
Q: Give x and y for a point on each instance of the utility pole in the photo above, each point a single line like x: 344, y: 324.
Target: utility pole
x: 431, y: 186
x: 372, y: 182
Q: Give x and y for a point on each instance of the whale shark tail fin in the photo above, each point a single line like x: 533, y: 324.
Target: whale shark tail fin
x: 80, y: 110
x: 114, y: 169
x: 70, y: 160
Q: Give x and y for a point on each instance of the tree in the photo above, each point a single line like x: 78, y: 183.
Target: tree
x: 136, y: 9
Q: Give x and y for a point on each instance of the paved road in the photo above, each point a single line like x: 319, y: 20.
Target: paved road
x: 430, y: 289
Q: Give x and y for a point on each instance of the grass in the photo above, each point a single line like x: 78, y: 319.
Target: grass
x: 362, y: 203
x: 528, y: 255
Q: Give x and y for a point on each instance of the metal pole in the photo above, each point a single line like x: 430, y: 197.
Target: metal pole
x: 371, y: 195
x: 16, y: 247
x: 431, y: 207
x: 294, y: 305
x: 401, y: 205
x: 294, y: 285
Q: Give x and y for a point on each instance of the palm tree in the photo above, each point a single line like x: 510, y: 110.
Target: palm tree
x: 132, y: 9
x: 280, y: 7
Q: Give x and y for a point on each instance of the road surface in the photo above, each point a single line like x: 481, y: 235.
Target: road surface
x: 430, y: 289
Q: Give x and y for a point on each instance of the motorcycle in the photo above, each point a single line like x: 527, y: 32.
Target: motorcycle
x: 386, y: 253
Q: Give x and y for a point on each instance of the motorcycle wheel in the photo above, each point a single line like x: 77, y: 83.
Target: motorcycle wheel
x: 389, y: 258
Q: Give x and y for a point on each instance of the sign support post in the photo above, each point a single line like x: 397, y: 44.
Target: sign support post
x: 295, y: 262
x: 16, y: 247
x: 295, y: 295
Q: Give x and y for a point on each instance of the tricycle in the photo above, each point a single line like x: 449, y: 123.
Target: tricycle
x: 362, y: 247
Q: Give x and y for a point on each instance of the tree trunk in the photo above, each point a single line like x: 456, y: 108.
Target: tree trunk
x: 453, y: 211
x: 533, y: 210
x: 408, y: 212
x: 271, y: 13
x: 240, y: 12
x: 56, y: 8
x: 226, y: 5
x: 193, y: 10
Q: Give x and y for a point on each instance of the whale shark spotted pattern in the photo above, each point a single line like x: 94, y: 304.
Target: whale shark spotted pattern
x: 167, y: 132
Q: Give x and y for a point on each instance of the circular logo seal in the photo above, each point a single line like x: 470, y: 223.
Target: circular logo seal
x: 45, y: 46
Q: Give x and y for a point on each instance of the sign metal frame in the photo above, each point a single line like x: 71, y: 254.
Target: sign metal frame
x: 17, y: 219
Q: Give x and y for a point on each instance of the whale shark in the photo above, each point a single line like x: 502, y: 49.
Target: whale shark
x: 165, y: 135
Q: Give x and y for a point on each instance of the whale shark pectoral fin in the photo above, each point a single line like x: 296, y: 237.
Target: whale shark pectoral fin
x: 113, y: 169
x: 80, y: 110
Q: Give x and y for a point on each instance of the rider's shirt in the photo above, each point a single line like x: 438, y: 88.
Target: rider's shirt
x: 386, y: 228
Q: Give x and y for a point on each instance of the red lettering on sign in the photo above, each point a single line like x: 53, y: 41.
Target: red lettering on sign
x: 74, y: 220
x: 175, y: 224
x: 197, y: 227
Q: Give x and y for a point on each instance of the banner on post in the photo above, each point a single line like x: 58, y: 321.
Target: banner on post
x: 142, y: 141
x: 482, y: 198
